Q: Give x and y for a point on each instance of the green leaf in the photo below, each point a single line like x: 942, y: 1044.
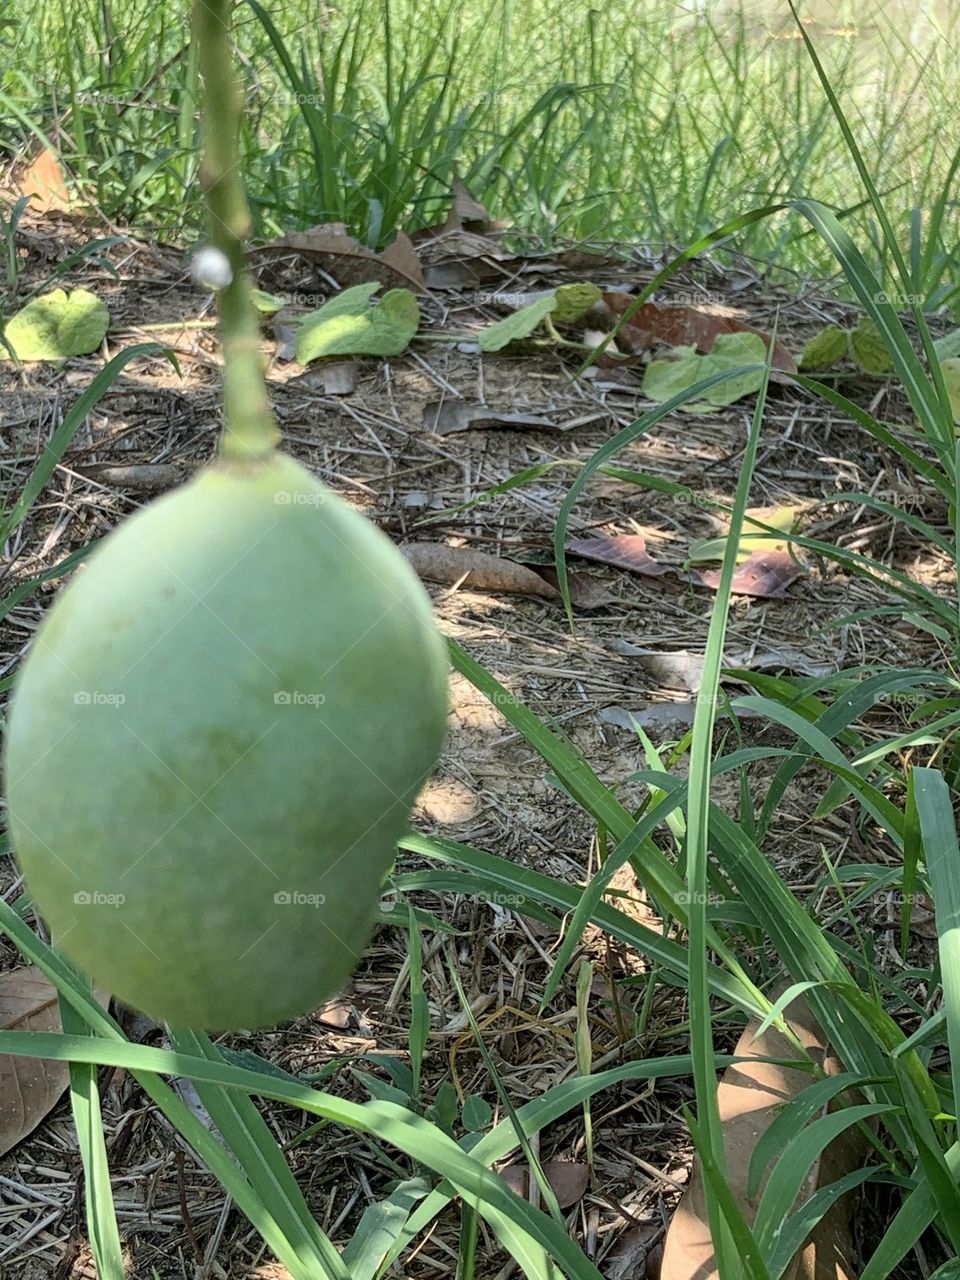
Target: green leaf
x: 516, y: 326
x: 57, y: 325
x: 267, y: 304
x: 574, y: 301
x: 349, y: 325
x: 868, y: 348
x: 667, y: 378
x: 950, y: 368
x: 948, y: 346
x: 825, y: 348
x: 476, y: 1113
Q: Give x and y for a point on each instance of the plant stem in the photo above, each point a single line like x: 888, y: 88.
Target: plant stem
x: 250, y: 430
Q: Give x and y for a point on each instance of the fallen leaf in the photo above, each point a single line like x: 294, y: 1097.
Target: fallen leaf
x: 57, y: 325
x: 478, y: 571
x: 443, y: 417
x: 669, y: 717
x: 567, y: 1180
x: 465, y: 212
x: 332, y: 377
x: 44, y: 183
x: 764, y: 573
x: 146, y: 476
x: 520, y: 324
x: 267, y: 304
x: 751, y: 539
x: 750, y: 1096
x: 352, y: 325
x: 29, y: 1087
x: 676, y: 325
x: 586, y: 591
x: 666, y: 378
x: 623, y: 550
x: 868, y: 348
x: 637, y: 1254
x: 573, y: 301
x: 825, y: 348
x: 475, y: 570
x: 350, y: 262
x: 947, y: 346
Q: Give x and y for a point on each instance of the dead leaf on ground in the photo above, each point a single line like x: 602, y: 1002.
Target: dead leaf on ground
x: 685, y: 669
x: 750, y: 1097
x: 637, y: 1254
x: 149, y: 477
x: 586, y: 591
x: 44, y: 182
x: 332, y: 377
x: 478, y: 571
x: 623, y: 550
x: 766, y: 574
x: 444, y: 417
x: 672, y: 718
x: 350, y: 262
x: 29, y: 1087
x: 567, y: 1180
x: 677, y: 325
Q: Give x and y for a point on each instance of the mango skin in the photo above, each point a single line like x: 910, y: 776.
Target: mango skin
x: 214, y: 744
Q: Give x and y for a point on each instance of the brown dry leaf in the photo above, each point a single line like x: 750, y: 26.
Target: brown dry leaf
x: 444, y: 417
x: 478, y: 571
x: 567, y: 1180
x: 146, y: 476
x: 764, y: 573
x: 29, y: 1087
x: 637, y: 1255
x: 750, y: 1096
x: 623, y: 550
x: 684, y: 326
x: 331, y: 377
x: 475, y: 570
x: 466, y: 213
x: 586, y: 591
x: 350, y: 262
x: 45, y: 184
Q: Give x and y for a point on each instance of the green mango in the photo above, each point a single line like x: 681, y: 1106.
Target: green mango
x: 215, y: 742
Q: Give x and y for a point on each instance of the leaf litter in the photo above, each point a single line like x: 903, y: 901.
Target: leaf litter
x: 372, y: 446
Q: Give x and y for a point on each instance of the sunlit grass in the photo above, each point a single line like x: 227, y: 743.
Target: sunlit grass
x: 569, y: 121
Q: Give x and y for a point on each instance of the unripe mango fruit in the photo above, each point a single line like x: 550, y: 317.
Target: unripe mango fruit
x: 215, y: 742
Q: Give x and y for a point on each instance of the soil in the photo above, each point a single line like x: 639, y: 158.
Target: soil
x: 376, y: 445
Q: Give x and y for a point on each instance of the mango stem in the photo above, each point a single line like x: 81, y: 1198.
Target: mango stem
x: 249, y: 428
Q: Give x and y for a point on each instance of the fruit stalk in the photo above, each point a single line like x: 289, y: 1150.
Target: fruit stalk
x: 250, y: 430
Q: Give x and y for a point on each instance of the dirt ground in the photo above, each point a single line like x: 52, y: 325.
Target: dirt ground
x: 378, y: 446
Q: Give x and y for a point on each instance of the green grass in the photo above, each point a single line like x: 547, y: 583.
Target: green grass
x: 567, y: 121
x: 574, y: 138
